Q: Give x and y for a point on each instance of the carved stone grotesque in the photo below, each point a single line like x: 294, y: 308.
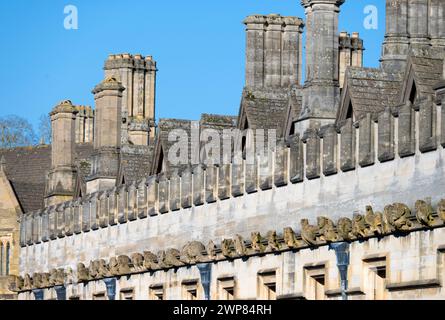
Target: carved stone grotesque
x: 69, y: 276
x: 327, y: 230
x: 240, y: 246
x: 83, y: 274
x: 124, y: 264
x: 113, y: 265
x: 211, y: 250
x: 37, y: 280
x: 344, y: 228
x: 192, y: 252
x: 308, y: 232
x: 46, y: 280
x: 359, y: 229
x: 169, y: 258
x: 441, y: 210
x: 374, y: 221
x: 27, y: 282
x: 138, y: 261
x: 290, y: 239
x: 94, y: 269
x: 272, y: 242
x: 257, y: 242
x: 57, y: 277
x: 16, y: 284
x: 397, y: 217
x: 150, y: 261
x: 227, y: 246
x: 424, y: 213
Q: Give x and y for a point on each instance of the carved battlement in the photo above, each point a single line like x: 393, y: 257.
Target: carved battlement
x: 392, y: 134
x: 126, y: 60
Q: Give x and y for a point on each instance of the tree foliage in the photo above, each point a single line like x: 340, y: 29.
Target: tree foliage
x: 45, y: 128
x: 16, y: 132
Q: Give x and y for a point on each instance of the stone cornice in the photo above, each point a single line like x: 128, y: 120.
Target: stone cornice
x: 396, y: 219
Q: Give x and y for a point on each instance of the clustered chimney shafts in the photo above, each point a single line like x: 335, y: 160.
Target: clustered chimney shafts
x: 107, y: 137
x: 416, y: 23
x: 60, y: 184
x: 138, y: 76
x: 437, y: 23
x: 350, y: 53
x: 273, y: 51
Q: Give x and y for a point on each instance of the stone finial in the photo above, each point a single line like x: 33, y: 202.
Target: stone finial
x: 65, y: 106
x: 110, y: 83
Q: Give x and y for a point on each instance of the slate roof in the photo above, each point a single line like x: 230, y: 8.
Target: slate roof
x: 426, y: 67
x: 264, y: 109
x: 370, y: 91
x: 135, y: 162
x: 27, y: 168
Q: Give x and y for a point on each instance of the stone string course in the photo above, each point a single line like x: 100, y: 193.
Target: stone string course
x: 344, y: 147
x: 396, y: 219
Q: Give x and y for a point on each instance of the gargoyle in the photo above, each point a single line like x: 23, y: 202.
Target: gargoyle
x: 83, y: 274
x: 192, y: 252
x: 397, y: 217
x: 290, y: 239
x: 257, y: 239
x: 424, y: 213
x: 27, y: 282
x: 272, y: 242
x: 227, y: 248
x: 57, y: 277
x: 374, y: 221
x: 150, y: 261
x: 308, y: 232
x: 344, y: 228
x: 169, y: 258
x: 327, y: 230
x: 138, y: 261
x: 240, y: 246
x: 359, y: 229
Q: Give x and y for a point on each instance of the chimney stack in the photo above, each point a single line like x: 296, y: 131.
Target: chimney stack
x: 61, y: 178
x: 321, y: 90
x: 437, y: 23
x: 138, y: 76
x: 418, y: 23
x: 273, y: 51
x: 107, y: 136
x: 350, y: 53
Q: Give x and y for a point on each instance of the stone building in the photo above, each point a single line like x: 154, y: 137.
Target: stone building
x: 349, y: 203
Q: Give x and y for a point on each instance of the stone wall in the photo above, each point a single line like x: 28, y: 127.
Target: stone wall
x: 408, y: 266
x: 396, y: 156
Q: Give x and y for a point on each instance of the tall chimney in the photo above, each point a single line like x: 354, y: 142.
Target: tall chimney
x: 396, y: 43
x: 61, y: 178
x: 138, y: 76
x: 437, y: 23
x: 418, y: 23
x: 321, y: 90
x: 107, y: 136
x: 273, y: 51
x: 350, y: 53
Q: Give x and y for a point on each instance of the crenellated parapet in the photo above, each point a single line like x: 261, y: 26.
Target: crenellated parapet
x: 398, y: 133
x: 395, y: 219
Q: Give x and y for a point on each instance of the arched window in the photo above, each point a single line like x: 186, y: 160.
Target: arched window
x: 1, y: 258
x: 8, y: 250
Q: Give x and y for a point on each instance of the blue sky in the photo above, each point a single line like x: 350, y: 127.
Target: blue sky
x: 199, y: 47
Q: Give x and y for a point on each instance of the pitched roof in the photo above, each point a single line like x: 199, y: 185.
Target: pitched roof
x: 369, y: 90
x: 264, y: 109
x: 425, y: 67
x: 27, y: 168
x: 135, y: 163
